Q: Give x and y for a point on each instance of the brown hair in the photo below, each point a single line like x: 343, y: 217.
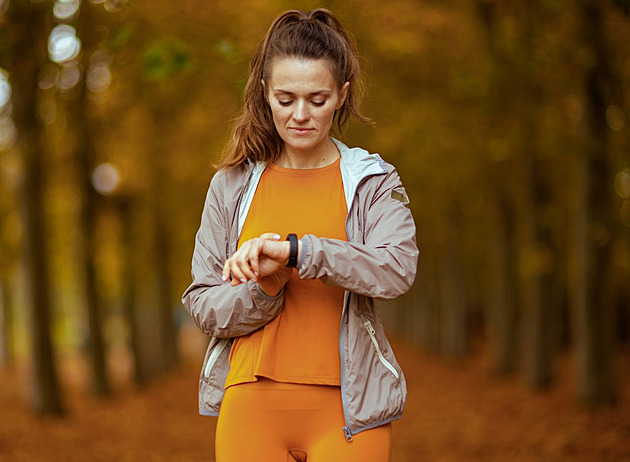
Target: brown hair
x: 317, y: 34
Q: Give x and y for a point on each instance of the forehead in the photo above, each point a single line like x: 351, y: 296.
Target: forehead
x: 299, y: 74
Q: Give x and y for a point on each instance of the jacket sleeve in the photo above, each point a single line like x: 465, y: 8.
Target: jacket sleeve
x: 381, y: 264
x: 217, y: 308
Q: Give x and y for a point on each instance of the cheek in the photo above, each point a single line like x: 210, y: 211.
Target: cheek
x: 279, y: 112
x: 328, y: 115
x: 277, y: 117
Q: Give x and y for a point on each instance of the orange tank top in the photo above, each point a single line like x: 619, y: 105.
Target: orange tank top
x: 301, y: 345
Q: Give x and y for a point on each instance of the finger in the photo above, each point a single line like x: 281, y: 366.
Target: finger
x: 271, y: 236
x: 237, y: 274
x: 228, y: 272
x: 254, y: 255
x: 242, y: 264
x: 225, y: 275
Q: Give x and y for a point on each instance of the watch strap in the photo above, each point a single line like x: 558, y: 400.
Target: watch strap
x: 293, y: 250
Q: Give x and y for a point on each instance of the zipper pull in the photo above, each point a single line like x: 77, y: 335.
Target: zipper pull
x: 348, y: 433
x: 368, y: 326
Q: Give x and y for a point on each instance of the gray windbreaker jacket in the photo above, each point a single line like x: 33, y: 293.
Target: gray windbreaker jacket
x: 377, y: 263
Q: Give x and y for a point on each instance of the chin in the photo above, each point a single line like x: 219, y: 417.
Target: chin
x: 302, y: 144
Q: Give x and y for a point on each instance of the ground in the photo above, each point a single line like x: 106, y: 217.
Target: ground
x: 457, y: 411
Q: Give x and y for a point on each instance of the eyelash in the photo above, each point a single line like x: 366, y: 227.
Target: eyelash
x: 314, y: 103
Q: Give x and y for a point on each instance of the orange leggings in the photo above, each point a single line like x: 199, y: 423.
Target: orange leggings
x: 269, y: 421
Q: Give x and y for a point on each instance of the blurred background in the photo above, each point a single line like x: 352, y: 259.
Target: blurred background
x: 508, y: 123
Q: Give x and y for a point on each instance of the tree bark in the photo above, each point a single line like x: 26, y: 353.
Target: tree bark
x: 29, y: 27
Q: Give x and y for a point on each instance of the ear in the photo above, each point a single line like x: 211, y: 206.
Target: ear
x: 343, y: 94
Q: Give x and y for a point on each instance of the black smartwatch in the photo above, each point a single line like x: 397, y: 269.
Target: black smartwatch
x: 293, y: 250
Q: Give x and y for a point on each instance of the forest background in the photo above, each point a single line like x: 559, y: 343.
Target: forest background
x: 507, y: 121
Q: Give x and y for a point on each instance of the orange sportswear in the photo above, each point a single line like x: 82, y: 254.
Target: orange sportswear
x: 301, y: 345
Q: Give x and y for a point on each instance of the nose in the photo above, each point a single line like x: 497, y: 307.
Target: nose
x: 301, y: 113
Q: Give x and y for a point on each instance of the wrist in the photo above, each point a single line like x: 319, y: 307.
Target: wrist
x: 300, y: 245
x: 294, y: 245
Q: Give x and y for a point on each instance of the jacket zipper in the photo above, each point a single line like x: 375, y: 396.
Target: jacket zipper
x: 346, y: 306
x: 344, y: 404
x: 385, y: 362
x: 214, y: 356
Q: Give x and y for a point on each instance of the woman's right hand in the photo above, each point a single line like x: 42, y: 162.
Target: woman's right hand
x: 261, y: 259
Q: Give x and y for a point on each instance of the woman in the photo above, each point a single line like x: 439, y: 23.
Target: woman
x: 298, y: 364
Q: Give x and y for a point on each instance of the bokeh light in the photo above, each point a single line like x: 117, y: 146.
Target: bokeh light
x: 65, y: 9
x: 622, y: 183
x: 63, y: 44
x: 624, y: 213
x: 8, y: 134
x: 5, y: 88
x: 48, y: 77
x: 47, y: 110
x: 105, y: 178
x: 69, y: 77
x: 99, y: 76
x: 615, y: 117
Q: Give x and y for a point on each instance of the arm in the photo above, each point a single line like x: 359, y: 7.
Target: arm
x: 383, y: 263
x: 218, y: 308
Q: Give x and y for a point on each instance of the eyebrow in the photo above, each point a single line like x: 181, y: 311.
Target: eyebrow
x: 290, y: 93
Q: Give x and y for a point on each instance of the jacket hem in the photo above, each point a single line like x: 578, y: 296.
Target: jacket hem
x: 378, y: 424
x: 208, y: 413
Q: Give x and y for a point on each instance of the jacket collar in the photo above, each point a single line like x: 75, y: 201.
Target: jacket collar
x: 356, y: 165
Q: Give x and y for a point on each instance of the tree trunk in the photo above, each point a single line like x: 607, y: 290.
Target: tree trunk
x: 130, y: 299
x: 168, y: 331
x: 503, y: 300
x: 29, y: 26
x: 453, y: 326
x: 6, y: 322
x: 590, y: 276
x: 84, y: 157
x: 537, y: 265
x: 162, y: 231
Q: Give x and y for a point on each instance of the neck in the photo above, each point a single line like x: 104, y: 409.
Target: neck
x: 325, y: 155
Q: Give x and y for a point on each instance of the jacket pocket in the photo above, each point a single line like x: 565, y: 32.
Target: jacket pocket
x: 215, y: 348
x: 384, y: 361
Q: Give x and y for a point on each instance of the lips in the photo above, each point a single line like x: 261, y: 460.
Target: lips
x: 300, y: 131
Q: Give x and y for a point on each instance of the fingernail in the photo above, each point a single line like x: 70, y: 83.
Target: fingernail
x: 243, y: 280
x: 276, y: 237
x: 224, y: 277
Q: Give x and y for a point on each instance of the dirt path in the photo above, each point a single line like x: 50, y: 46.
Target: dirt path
x: 456, y: 412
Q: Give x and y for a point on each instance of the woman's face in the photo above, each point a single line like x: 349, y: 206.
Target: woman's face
x: 303, y: 97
